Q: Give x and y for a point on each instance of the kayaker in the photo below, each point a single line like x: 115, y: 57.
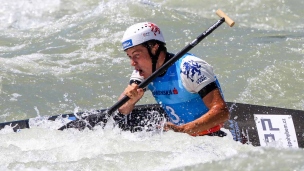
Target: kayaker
x: 188, y: 91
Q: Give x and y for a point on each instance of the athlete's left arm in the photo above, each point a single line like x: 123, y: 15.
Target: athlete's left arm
x: 218, y: 113
x: 205, y: 85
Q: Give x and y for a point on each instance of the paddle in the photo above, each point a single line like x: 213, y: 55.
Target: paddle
x: 98, y: 118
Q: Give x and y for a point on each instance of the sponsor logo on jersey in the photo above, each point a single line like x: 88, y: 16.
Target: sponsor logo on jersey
x: 165, y: 92
x: 190, y: 69
x: 201, y: 79
x: 127, y: 43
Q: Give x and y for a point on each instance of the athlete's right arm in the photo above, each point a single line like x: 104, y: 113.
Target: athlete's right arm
x: 133, y: 92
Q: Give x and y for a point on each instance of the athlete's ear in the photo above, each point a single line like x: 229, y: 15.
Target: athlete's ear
x: 154, y: 48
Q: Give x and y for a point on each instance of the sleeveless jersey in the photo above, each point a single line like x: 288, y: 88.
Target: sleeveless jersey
x: 181, y: 105
x: 177, y: 90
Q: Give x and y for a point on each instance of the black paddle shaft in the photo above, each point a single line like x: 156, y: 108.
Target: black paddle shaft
x: 164, y: 67
x: 101, y: 117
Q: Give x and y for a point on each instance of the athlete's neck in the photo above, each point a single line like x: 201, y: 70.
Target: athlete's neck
x: 167, y: 58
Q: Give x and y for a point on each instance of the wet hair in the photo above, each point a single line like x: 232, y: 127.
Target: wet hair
x: 151, y: 43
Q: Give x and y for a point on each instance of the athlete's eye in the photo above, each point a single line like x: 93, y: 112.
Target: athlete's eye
x: 134, y: 57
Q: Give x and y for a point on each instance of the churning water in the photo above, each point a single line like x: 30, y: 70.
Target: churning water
x: 62, y: 56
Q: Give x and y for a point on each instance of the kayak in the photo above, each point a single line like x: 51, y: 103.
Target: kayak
x: 264, y: 125
x: 249, y: 124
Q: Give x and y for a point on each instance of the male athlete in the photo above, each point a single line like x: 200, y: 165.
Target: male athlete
x: 188, y: 91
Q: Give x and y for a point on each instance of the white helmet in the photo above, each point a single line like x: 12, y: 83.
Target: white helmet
x: 140, y: 33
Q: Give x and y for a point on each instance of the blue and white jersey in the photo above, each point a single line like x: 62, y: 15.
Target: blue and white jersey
x: 177, y: 90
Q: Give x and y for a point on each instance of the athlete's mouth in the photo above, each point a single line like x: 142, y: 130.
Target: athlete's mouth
x: 140, y: 72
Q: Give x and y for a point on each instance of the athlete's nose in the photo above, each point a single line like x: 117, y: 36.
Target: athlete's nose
x: 133, y: 63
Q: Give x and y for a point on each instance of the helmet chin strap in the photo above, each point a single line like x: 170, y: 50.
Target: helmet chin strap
x: 153, y: 57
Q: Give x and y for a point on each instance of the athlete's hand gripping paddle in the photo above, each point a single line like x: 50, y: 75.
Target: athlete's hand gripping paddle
x: 99, y: 118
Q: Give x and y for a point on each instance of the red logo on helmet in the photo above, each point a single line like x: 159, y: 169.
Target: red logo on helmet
x: 154, y: 28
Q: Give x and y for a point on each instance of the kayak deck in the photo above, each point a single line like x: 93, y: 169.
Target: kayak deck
x: 249, y: 124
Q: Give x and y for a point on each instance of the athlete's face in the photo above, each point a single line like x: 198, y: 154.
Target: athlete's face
x: 140, y: 60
